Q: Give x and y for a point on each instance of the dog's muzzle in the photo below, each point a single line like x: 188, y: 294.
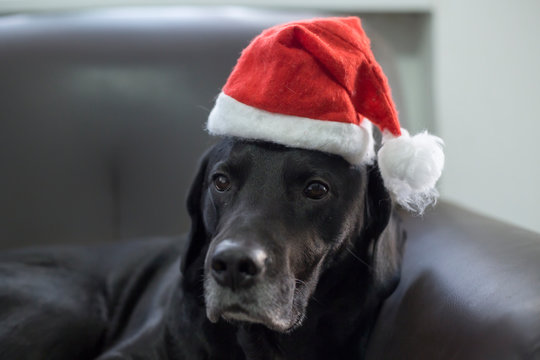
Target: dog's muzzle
x: 238, y: 286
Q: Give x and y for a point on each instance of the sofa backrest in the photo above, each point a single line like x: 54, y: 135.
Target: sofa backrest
x: 102, y: 116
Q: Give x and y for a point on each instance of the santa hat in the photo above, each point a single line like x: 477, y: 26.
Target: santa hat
x: 315, y: 85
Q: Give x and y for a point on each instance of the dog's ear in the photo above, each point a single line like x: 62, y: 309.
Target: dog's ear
x: 382, y: 228
x: 197, y: 234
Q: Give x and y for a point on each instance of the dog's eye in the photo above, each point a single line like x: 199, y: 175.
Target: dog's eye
x: 316, y: 190
x: 222, y: 183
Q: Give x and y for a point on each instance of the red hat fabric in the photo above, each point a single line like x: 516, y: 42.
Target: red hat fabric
x: 315, y: 84
x: 321, y: 69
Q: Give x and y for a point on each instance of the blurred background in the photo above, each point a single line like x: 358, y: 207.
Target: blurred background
x: 466, y: 70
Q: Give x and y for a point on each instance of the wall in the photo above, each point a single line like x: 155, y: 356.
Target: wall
x: 487, y: 105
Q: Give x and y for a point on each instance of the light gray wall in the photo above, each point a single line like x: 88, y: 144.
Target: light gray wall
x: 487, y: 105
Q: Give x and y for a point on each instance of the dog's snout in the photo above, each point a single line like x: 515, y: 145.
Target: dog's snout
x: 237, y: 266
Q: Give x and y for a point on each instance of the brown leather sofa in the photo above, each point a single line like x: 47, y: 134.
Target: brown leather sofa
x: 101, y: 127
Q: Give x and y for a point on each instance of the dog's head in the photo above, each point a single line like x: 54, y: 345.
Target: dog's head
x: 268, y: 221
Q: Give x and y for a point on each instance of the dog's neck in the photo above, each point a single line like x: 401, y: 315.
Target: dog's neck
x: 324, y: 333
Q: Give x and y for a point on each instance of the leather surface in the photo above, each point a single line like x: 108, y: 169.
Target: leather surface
x: 103, y: 113
x: 470, y: 289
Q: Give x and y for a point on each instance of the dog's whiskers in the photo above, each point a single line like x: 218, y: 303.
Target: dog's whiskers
x: 358, y: 258
x: 301, y: 282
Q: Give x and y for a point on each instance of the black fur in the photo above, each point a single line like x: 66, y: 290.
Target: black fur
x: 130, y: 301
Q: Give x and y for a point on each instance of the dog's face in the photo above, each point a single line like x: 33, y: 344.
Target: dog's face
x: 267, y: 222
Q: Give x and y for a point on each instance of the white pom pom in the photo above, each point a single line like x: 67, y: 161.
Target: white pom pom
x: 410, y: 168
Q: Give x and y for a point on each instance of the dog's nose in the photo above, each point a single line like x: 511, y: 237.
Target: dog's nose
x: 237, y: 266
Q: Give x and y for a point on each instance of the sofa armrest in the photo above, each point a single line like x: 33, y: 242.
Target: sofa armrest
x: 470, y: 289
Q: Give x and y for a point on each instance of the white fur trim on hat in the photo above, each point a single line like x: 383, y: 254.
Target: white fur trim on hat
x: 410, y: 167
x: 230, y: 117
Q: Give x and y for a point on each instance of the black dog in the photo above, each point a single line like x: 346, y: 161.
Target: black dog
x: 290, y: 256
